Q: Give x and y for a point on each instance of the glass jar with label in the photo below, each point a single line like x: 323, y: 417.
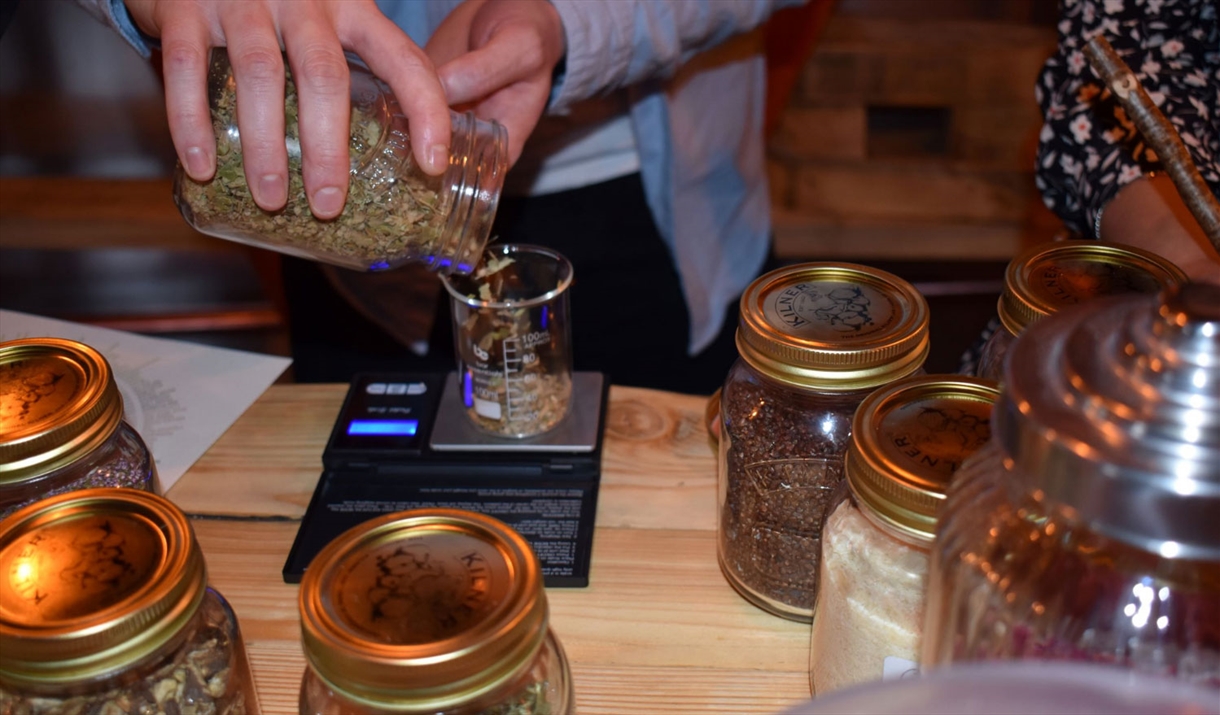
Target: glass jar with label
x: 1053, y: 276
x: 61, y: 424
x: 437, y: 611
x: 907, y: 440
x: 815, y: 339
x: 107, y: 609
x: 1088, y: 531
x: 395, y: 213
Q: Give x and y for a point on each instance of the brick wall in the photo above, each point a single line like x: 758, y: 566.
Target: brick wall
x: 911, y: 131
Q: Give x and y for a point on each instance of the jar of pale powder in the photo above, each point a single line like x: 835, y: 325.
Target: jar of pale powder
x: 907, y: 441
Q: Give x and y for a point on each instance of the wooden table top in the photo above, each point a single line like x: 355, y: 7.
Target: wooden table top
x: 658, y: 630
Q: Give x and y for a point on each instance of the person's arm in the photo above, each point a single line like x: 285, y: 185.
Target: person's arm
x: 501, y: 56
x: 1092, y: 161
x: 615, y: 43
x: 314, y: 34
x: 1149, y: 213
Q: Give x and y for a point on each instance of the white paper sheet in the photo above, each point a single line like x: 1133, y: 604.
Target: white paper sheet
x: 179, y: 396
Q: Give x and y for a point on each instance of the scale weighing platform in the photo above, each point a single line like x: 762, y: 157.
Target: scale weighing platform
x: 402, y: 441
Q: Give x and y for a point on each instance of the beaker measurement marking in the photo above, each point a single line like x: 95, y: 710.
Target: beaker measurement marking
x: 515, y: 391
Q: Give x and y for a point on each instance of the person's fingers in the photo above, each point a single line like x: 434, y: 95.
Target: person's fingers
x: 511, y: 55
x: 258, y: 69
x: 184, y: 50
x: 320, y: 72
x: 508, y: 79
x: 517, y: 107
x: 452, y: 37
x: 392, y: 56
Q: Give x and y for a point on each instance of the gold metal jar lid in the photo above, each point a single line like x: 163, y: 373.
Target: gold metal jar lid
x: 907, y: 440
x: 58, y: 402
x: 833, y: 326
x: 1050, y: 277
x: 423, y: 610
x: 93, y: 582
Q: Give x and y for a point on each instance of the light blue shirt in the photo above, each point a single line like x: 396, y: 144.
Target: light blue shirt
x: 697, y: 118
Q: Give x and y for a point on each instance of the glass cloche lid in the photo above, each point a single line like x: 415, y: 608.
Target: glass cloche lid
x: 1112, y: 410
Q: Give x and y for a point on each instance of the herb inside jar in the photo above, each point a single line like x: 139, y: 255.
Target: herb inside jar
x: 393, y: 210
x: 531, y: 701
x: 198, y: 680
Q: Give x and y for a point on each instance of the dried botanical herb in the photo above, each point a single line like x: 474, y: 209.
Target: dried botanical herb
x: 531, y: 701
x: 493, y: 264
x: 197, y: 679
x: 393, y: 211
x: 543, y: 408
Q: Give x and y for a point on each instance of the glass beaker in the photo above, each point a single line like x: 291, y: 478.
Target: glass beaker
x: 512, y: 339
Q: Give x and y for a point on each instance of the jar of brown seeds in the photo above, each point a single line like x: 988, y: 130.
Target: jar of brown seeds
x: 395, y: 213
x: 107, y: 610
x: 815, y: 339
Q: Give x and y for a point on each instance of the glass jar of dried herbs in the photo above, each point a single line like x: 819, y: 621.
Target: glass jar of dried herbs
x: 815, y: 339
x: 62, y: 426
x: 438, y: 611
x: 107, y: 610
x: 395, y: 213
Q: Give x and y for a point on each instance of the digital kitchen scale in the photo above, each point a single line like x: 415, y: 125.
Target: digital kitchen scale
x: 402, y: 442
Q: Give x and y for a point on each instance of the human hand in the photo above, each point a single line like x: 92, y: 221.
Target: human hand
x: 498, y: 56
x: 1149, y: 213
x: 314, y: 33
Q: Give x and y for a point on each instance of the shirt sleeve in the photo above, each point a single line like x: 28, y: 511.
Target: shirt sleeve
x: 1088, y: 148
x: 114, y: 14
x: 615, y: 43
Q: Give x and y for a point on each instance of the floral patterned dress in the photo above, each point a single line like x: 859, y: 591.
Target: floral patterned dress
x: 1089, y: 148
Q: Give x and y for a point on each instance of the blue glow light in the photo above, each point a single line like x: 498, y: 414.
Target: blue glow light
x: 396, y: 428
x: 467, y: 389
x: 544, y: 312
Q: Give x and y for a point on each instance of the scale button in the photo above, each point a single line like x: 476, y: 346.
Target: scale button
x: 376, y: 388
x: 396, y: 388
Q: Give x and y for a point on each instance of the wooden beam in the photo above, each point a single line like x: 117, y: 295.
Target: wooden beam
x: 73, y: 213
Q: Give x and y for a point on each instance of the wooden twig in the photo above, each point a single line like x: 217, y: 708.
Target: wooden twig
x: 1158, y: 133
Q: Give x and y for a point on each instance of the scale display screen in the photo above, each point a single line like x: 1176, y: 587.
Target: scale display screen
x: 393, y: 414
x: 393, y: 428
